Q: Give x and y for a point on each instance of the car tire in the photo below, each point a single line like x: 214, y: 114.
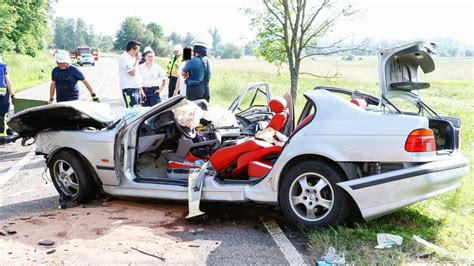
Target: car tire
x: 93, y: 64
x: 81, y: 64
x: 309, y: 195
x: 71, y: 176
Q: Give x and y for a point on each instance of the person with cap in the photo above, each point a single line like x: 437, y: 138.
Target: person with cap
x: 172, y: 68
x: 154, y: 79
x: 129, y: 76
x: 198, y: 73
x: 64, y: 80
x: 6, y: 93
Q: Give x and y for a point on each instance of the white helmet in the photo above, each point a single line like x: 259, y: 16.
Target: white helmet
x: 148, y: 49
x: 62, y: 57
x: 177, y: 47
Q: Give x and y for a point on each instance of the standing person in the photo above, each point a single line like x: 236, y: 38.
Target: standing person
x: 6, y: 92
x: 198, y: 71
x: 64, y: 80
x: 181, y: 84
x: 172, y: 69
x: 154, y: 79
x: 129, y: 75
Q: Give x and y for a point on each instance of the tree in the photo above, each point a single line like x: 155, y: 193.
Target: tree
x: 105, y: 43
x: 228, y: 51
x: 290, y: 30
x: 189, y: 39
x: 24, y: 25
x: 175, y: 38
x: 80, y: 33
x: 216, y: 38
x: 131, y: 28
x: 156, y: 29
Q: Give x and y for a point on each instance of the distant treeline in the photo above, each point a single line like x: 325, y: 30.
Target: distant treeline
x: 445, y: 47
x: 70, y: 33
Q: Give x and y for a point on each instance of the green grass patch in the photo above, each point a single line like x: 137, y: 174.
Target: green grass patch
x: 26, y: 71
x: 446, y: 220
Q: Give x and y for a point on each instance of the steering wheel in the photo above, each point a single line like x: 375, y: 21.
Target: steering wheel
x: 191, y: 134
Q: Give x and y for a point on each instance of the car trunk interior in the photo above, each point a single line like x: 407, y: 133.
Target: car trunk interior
x: 446, y: 131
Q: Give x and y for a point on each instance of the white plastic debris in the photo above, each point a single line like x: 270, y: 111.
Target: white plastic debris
x: 333, y: 258
x: 427, y: 244
x: 388, y: 240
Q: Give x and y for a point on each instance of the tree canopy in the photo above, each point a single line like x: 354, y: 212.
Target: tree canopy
x: 289, y: 31
x: 24, y: 25
x: 132, y: 28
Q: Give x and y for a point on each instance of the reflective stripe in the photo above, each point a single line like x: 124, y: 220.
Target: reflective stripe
x: 3, y: 91
x: 128, y: 100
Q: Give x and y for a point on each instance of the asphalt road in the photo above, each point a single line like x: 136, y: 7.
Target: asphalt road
x: 227, y: 234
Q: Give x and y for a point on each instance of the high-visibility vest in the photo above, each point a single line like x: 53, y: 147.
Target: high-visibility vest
x: 3, y: 81
x: 173, y: 66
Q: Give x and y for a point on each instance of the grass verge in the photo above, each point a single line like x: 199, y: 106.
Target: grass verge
x: 26, y: 71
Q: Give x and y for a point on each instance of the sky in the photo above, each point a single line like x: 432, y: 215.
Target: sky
x: 389, y: 19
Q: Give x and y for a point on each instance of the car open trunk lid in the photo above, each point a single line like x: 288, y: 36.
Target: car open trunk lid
x: 71, y: 115
x: 398, y: 70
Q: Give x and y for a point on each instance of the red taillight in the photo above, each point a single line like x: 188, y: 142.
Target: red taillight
x: 421, y: 140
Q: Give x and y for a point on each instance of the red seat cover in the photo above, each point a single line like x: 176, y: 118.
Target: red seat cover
x: 278, y: 105
x: 259, y: 169
x: 245, y: 159
x: 225, y: 156
x: 278, y: 121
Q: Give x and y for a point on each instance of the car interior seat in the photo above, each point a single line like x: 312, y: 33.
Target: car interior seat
x: 278, y: 106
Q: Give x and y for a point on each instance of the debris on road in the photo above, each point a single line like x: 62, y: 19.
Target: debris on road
x: 51, y: 251
x: 149, y: 254
x: 193, y: 246
x: 386, y: 241
x: 332, y: 258
x: 26, y: 217
x: 195, y: 231
x: 428, y: 244
x: 46, y: 242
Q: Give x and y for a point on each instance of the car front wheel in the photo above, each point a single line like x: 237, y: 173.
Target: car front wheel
x: 309, y: 195
x: 71, y: 177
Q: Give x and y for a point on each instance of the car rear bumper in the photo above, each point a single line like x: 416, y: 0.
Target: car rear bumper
x: 381, y: 194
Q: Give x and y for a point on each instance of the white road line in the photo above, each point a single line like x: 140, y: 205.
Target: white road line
x: 290, y: 252
x: 17, y: 167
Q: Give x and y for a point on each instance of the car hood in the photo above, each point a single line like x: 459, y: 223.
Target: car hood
x: 398, y: 69
x: 73, y: 115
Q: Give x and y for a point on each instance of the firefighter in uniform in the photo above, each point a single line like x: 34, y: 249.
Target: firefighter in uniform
x: 172, y: 68
x: 6, y: 92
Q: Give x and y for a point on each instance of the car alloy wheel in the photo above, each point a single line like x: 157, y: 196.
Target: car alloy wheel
x: 312, y: 197
x: 66, y: 178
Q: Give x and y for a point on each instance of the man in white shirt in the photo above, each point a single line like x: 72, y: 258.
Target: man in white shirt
x: 153, y: 78
x: 129, y: 75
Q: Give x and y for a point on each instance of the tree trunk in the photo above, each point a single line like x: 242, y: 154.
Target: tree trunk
x: 294, y: 71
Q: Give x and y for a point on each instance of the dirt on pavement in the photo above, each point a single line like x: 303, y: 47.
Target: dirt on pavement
x: 116, y: 232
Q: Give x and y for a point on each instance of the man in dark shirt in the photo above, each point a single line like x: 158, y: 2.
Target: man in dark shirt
x: 198, y: 73
x: 64, y: 80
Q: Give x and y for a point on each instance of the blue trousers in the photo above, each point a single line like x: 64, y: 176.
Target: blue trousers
x: 4, y: 107
x: 131, y: 97
x: 152, y: 98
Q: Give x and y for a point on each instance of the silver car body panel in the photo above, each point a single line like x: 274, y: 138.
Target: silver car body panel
x: 381, y: 194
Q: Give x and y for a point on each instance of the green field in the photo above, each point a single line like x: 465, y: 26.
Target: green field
x: 446, y: 220
x: 26, y: 71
